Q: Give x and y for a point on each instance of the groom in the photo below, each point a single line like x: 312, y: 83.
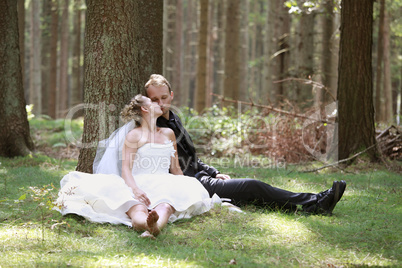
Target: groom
x: 240, y: 191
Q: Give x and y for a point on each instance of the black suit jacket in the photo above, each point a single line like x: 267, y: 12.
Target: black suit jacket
x: 189, y: 162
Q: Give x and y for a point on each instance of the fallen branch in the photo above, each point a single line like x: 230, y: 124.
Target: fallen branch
x: 308, y: 82
x: 341, y: 161
x: 222, y: 98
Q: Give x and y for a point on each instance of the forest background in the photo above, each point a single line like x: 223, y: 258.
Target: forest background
x: 281, y: 54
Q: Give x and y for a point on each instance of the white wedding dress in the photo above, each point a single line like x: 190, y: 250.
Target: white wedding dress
x: 106, y: 197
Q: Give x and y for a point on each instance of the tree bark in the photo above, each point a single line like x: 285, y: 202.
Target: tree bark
x: 269, y: 50
x: 305, y: 51
x: 53, y: 59
x: 281, y: 53
x: 76, y: 88
x: 21, y: 30
x: 355, y: 89
x: 327, y: 47
x: 123, y: 46
x: 201, y: 84
x: 63, y: 99
x: 177, y: 63
x: 219, y: 46
x: 380, y: 54
x: 388, y: 111
x: 35, y: 85
x: 243, y: 57
x: 232, y: 51
x: 169, y: 41
x: 188, y: 55
x: 148, y: 41
x: 45, y: 55
x: 15, y: 139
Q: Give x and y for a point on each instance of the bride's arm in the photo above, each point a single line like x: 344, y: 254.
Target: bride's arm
x: 174, y: 162
x: 130, y: 148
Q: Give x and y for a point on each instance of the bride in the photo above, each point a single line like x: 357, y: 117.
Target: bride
x: 131, y: 183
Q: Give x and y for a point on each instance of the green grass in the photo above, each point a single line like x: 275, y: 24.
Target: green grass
x: 364, y: 230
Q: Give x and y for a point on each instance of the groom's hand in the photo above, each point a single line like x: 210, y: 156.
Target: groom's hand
x: 222, y: 176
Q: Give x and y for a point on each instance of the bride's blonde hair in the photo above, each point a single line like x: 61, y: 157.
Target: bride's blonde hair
x: 132, y: 110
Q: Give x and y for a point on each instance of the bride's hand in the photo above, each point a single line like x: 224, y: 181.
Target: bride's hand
x: 141, y: 196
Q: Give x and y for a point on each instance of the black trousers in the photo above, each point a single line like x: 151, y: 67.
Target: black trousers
x: 250, y: 191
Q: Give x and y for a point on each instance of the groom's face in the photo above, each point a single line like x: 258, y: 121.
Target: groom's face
x: 162, y: 96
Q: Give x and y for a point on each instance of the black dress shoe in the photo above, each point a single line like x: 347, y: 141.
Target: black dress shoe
x: 342, y: 187
x: 326, y: 200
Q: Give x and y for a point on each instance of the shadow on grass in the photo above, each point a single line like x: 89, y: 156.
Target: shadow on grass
x: 364, y: 229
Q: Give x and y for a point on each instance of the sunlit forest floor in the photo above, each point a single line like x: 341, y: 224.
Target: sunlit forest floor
x: 364, y: 229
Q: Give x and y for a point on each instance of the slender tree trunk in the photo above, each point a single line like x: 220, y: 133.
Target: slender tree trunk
x: 388, y: 113
x: 305, y: 50
x: 219, y: 58
x: 269, y: 50
x: 355, y: 89
x: 76, y: 94
x: 243, y: 57
x: 380, y: 53
x: 327, y: 48
x: 177, y: 63
x: 64, y: 47
x: 188, y: 56
x: 200, y: 96
x: 45, y: 53
x: 192, y: 68
x: 210, y: 56
x: 282, y: 51
x: 15, y: 139
x: 35, y: 90
x: 53, y: 59
x: 232, y: 51
x: 169, y: 42
x: 21, y: 30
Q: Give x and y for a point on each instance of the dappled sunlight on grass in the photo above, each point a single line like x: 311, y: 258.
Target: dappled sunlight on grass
x: 364, y: 228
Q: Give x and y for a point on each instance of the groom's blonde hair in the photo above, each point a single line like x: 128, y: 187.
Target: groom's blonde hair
x: 157, y: 80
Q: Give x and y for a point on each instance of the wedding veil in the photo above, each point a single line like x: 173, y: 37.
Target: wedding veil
x: 108, y: 157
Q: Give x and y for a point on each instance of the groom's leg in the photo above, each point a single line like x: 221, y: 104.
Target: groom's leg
x: 249, y: 191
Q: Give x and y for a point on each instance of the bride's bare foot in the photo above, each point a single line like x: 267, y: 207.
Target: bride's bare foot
x: 152, y: 220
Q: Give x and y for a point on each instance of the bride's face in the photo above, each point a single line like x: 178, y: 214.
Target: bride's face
x: 153, y: 106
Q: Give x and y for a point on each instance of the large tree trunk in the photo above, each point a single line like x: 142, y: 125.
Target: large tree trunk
x: 232, y: 50
x: 15, y: 139
x: 123, y: 46
x: 201, y: 88
x: 35, y: 87
x: 53, y: 59
x: 355, y: 89
x: 148, y: 41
